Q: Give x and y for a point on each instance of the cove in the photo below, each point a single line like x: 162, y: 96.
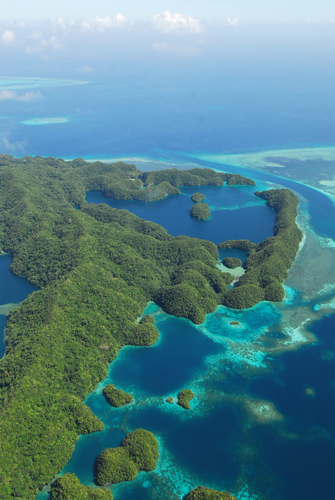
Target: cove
x: 235, y: 213
x: 320, y: 207
x: 13, y: 289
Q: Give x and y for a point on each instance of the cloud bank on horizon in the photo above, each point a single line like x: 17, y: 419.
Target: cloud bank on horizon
x: 45, y: 37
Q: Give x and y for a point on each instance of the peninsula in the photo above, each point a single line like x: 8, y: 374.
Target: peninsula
x: 97, y: 267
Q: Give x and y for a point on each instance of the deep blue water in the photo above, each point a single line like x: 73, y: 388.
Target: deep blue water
x: 13, y: 288
x: 165, y: 368
x: 320, y: 207
x: 229, y: 216
x: 305, y: 465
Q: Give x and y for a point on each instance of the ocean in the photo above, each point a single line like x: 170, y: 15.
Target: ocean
x: 262, y: 422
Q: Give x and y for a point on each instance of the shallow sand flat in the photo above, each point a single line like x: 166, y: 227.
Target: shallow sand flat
x: 284, y: 163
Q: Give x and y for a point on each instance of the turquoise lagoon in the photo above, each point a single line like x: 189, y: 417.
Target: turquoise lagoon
x: 262, y: 422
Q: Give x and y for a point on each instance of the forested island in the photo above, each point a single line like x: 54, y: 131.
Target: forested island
x: 203, y: 493
x: 184, y: 398
x: 200, y: 211
x: 97, y: 267
x: 117, y: 397
x: 138, y: 451
x: 197, y: 197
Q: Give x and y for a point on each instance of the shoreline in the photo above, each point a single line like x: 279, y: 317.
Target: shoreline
x: 248, y: 160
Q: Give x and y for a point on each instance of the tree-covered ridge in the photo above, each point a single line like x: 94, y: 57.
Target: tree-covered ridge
x: 97, y: 269
x: 116, y: 397
x: 138, y: 451
x: 194, y: 177
x: 203, y: 493
x: 268, y: 262
x: 68, y: 487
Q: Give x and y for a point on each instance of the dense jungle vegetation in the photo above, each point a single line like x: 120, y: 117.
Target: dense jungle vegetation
x: 268, y: 262
x: 97, y: 268
x: 138, y: 451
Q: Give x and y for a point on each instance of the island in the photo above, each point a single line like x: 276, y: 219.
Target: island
x: 116, y: 397
x: 184, y: 398
x: 68, y: 487
x: 138, y: 452
x: 203, y: 493
x: 231, y: 262
x: 97, y: 268
x: 200, y: 211
x: 197, y: 197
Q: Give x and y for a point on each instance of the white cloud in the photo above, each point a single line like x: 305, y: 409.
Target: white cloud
x: 6, y: 95
x: 232, y: 22
x: 85, y: 69
x: 8, y: 37
x: 102, y: 23
x: 42, y: 43
x: 9, y: 146
x: 36, y: 36
x: 30, y: 96
x: 160, y: 46
x: 176, y: 23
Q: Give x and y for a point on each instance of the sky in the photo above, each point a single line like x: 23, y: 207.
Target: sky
x: 212, y: 10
